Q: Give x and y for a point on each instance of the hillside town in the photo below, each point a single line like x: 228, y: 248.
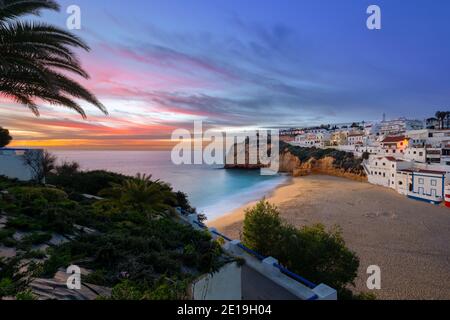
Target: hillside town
x: 408, y: 155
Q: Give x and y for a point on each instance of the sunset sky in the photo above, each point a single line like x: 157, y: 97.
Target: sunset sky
x: 159, y: 65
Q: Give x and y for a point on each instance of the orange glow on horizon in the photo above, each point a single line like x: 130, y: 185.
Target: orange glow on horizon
x: 92, y: 144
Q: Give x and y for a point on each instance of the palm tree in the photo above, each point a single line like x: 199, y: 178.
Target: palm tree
x: 441, y: 115
x: 35, y: 58
x: 141, y: 194
x: 446, y: 119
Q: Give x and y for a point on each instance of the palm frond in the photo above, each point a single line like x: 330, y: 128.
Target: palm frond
x: 35, y: 58
x: 12, y: 9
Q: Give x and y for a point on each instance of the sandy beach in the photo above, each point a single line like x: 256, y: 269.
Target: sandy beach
x: 408, y: 239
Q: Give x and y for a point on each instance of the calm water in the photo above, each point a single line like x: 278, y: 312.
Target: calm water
x: 211, y: 189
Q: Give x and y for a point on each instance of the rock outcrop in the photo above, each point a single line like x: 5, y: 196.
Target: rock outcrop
x: 315, y: 161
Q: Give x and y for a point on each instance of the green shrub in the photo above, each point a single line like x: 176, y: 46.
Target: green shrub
x: 261, y: 227
x: 37, y: 238
x: 126, y: 290
x: 27, y: 195
x: 9, y: 242
x: 26, y: 295
x: 313, y: 252
x: 6, y: 233
x: 23, y: 223
x: 7, y: 287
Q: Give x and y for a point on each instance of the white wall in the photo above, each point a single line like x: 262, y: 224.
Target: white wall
x: 12, y: 165
x: 223, y: 285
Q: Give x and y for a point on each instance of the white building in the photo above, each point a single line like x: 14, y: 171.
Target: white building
x: 424, y: 185
x: 415, y: 154
x: 382, y: 171
x: 12, y: 163
x: 357, y: 138
x: 393, y: 146
x: 317, y: 140
x: 400, y: 126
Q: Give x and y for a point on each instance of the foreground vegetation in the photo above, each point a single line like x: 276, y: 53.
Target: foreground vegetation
x: 313, y: 252
x: 131, y: 239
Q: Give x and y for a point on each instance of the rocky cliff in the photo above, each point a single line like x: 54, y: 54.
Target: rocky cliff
x: 305, y: 161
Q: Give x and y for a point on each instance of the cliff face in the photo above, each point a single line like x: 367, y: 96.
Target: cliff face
x: 291, y: 163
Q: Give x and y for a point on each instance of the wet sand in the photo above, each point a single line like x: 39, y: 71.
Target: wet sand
x: 408, y: 239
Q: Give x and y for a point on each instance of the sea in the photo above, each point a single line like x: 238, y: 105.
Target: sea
x: 213, y: 190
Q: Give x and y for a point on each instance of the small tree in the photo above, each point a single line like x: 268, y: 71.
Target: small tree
x: 5, y: 138
x: 40, y: 163
x: 261, y: 227
x: 313, y: 252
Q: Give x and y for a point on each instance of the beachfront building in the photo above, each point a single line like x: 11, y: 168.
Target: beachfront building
x: 421, y: 184
x: 382, y: 171
x: 13, y: 166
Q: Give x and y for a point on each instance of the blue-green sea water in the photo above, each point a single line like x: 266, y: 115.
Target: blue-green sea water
x: 211, y: 189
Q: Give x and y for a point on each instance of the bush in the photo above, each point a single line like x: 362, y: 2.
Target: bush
x: 261, y: 227
x: 7, y: 287
x: 313, y: 252
x: 26, y: 295
x: 37, y: 238
x: 28, y: 195
x: 91, y: 182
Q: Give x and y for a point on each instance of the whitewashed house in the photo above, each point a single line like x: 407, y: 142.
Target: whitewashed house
x: 424, y: 185
x: 317, y: 140
x: 356, y: 138
x: 400, y: 126
x: 382, y: 171
x: 415, y: 154
x: 394, y: 146
x: 12, y: 164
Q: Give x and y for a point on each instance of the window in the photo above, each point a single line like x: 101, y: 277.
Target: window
x: 421, y: 181
x: 420, y: 154
x: 393, y: 175
x: 384, y: 174
x: 434, y: 183
x: 400, y: 183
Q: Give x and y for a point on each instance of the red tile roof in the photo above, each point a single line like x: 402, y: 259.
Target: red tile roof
x: 393, y: 139
x: 391, y: 159
x: 424, y: 171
